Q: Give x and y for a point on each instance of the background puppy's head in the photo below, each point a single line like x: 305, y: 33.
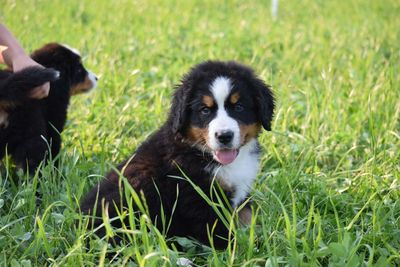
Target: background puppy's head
x: 69, y: 62
x: 220, y: 107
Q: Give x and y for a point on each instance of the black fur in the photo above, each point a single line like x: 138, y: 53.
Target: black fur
x: 152, y: 169
x: 31, y: 123
x: 201, y: 76
x: 15, y: 87
x: 265, y: 103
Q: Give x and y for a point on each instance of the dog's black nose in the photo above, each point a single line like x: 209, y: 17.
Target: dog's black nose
x: 224, y: 137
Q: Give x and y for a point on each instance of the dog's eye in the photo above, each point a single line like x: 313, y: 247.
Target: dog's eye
x: 80, y: 68
x: 239, y: 107
x: 205, y: 111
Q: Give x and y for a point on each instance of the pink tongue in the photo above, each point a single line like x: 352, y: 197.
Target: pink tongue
x: 225, y: 156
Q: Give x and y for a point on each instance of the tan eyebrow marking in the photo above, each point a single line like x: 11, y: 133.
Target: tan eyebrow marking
x: 208, y: 101
x: 234, y: 98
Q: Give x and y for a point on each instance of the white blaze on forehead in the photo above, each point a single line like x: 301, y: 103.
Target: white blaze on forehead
x: 221, y: 88
x: 73, y: 50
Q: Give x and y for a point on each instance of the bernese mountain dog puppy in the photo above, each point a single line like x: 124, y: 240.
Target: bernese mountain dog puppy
x: 28, y: 126
x: 210, y: 136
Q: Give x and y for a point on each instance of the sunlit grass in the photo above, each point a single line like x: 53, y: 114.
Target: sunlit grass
x: 328, y: 192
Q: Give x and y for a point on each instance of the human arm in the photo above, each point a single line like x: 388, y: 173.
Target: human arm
x: 14, y: 56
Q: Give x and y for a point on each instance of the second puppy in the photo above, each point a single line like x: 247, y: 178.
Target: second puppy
x: 27, y: 125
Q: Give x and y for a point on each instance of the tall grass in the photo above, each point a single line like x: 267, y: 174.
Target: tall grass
x: 328, y: 192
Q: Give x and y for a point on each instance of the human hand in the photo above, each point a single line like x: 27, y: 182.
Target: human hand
x: 23, y: 61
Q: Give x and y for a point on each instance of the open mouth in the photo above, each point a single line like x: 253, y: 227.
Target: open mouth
x: 225, y: 156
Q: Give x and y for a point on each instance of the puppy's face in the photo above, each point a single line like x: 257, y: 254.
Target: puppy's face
x: 68, y: 61
x: 225, y: 109
x: 223, y: 118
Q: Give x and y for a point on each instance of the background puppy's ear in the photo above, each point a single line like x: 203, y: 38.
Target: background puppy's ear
x: 178, y: 114
x: 19, y: 84
x: 265, y: 103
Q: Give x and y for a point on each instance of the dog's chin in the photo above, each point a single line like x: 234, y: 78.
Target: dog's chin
x: 81, y: 91
x: 87, y: 90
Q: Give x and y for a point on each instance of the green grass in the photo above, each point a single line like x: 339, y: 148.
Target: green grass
x: 328, y: 192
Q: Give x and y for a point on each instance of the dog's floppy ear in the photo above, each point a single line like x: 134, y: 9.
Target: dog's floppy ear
x: 265, y: 103
x: 179, y: 106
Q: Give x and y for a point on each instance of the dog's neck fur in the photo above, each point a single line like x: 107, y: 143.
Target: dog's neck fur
x: 241, y: 173
x: 57, y: 102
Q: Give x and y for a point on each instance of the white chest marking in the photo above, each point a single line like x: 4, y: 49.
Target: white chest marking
x: 3, y: 119
x: 241, y: 173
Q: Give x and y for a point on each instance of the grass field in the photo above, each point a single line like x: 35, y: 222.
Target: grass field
x: 329, y: 190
